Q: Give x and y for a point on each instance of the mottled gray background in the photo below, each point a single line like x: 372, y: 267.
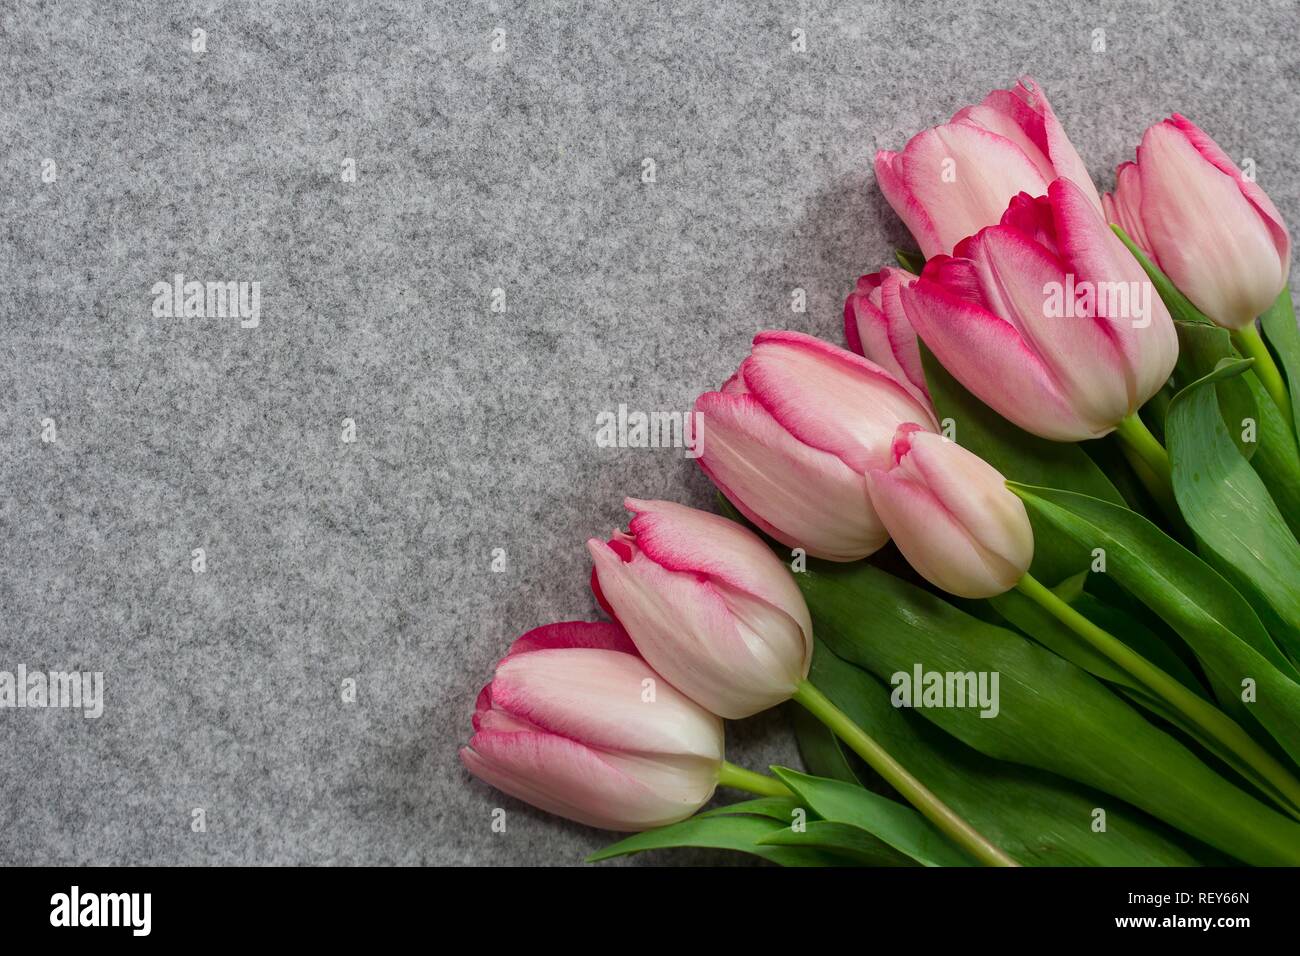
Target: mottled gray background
x: 475, y: 170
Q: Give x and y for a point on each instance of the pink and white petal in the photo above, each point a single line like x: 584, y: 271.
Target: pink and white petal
x: 1078, y: 350
x: 803, y: 497
x: 696, y: 542
x: 1126, y: 304
x: 595, y: 634
x: 686, y: 632
x: 596, y: 697
x: 988, y: 356
x: 1065, y: 159
x: 1222, y: 161
x: 565, y: 778
x: 780, y: 644
x: 830, y: 398
x: 936, y: 546
x: 1011, y: 117
x: 964, y: 176
x: 975, y: 494
x: 1124, y: 207
x: 898, y: 193
x: 1232, y: 271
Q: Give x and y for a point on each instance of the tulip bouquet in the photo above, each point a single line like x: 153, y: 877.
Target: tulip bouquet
x: 1023, y: 557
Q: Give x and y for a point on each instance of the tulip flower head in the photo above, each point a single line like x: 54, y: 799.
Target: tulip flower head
x: 1047, y: 318
x: 877, y: 329
x: 951, y: 181
x: 576, y: 723
x: 707, y: 604
x: 1210, y: 229
x: 951, y: 515
x: 791, y: 434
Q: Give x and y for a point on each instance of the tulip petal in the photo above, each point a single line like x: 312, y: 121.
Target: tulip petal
x: 1078, y: 350
x: 990, y: 358
x: 563, y: 777
x: 829, y: 398
x: 975, y: 494
x: 593, y: 634
x: 967, y: 172
x: 936, y: 546
x: 1123, y: 207
x: 685, y: 630
x: 876, y: 329
x: 1126, y: 307
x: 1208, y: 148
x: 890, y: 178
x: 686, y: 539
x: 1232, y: 272
x: 598, y: 698
x: 764, y: 470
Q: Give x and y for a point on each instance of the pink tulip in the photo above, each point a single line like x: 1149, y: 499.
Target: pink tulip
x: 951, y: 181
x: 951, y: 515
x: 1047, y: 318
x: 576, y: 723
x: 791, y: 433
x: 707, y: 604
x: 1211, y: 230
x: 877, y: 329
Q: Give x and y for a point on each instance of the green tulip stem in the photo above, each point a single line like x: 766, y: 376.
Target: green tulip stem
x: 738, y: 778
x: 1199, y: 712
x: 1251, y: 345
x: 1151, y: 462
x: 896, y: 775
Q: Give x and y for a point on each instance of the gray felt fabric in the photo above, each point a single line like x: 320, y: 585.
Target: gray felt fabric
x: 518, y: 169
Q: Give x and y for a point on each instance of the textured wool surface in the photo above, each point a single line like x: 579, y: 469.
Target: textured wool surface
x: 483, y: 161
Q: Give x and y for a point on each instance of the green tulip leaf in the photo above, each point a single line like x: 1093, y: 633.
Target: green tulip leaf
x: 1277, y: 455
x: 1218, y: 624
x: 743, y: 833
x: 913, y: 262
x: 844, y: 838
x: 893, y: 823
x: 1282, y: 335
x: 1201, y: 348
x: 1040, y: 819
x: 1237, y: 525
x: 1051, y: 714
x: 781, y: 809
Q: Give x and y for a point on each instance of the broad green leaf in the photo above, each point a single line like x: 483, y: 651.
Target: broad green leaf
x: 1035, y: 621
x: 1019, y: 455
x: 1212, y: 617
x: 1038, y: 818
x: 1052, y: 715
x: 1277, y: 457
x: 780, y: 809
x: 893, y: 823
x: 1238, y: 527
x: 841, y: 838
x: 1200, y: 349
x: 741, y: 833
x: 1279, y: 327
